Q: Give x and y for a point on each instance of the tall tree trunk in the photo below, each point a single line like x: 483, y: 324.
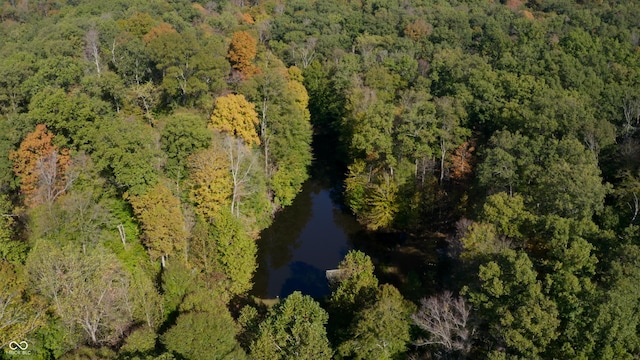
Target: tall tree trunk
x: 263, y: 135
x: 443, y: 153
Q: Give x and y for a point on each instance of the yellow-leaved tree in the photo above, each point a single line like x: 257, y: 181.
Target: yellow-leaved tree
x: 236, y: 118
x: 162, y: 222
x: 235, y: 115
x: 210, y: 180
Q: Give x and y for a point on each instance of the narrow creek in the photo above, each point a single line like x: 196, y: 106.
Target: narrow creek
x: 308, y: 237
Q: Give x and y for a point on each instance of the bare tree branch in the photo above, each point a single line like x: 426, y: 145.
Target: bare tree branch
x: 446, y: 320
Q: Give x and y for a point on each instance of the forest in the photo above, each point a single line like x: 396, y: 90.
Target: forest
x: 145, y: 144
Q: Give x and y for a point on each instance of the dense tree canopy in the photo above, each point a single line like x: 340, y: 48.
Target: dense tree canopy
x: 497, y: 140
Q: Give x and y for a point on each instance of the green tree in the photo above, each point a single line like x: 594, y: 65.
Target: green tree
x: 575, y: 176
x: 517, y: 316
x: 617, y: 316
x: 450, y: 115
x: 130, y: 58
x: 294, y: 328
x: 146, y: 299
x: 140, y: 341
x: 57, y: 71
x: 199, y: 334
x: 125, y: 149
x: 380, y: 330
x: 416, y: 129
x: 370, y: 125
x: 570, y: 268
x: 203, y: 335
x: 184, y: 134
x: 178, y: 281
x: 189, y: 71
x: 284, y: 127
x: 235, y: 252
x: 71, y: 116
x: 353, y: 287
x: 531, y: 166
x: 354, y: 284
x: 15, y: 69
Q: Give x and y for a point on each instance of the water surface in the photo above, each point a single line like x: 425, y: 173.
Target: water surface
x: 305, y: 239
x: 310, y: 236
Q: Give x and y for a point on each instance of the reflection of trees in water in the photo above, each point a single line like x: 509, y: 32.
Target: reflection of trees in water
x: 276, y: 243
x: 399, y: 258
x: 307, y: 279
x: 347, y: 222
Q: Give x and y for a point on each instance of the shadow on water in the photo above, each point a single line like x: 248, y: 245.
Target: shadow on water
x: 316, y: 231
x: 307, y: 279
x: 310, y: 236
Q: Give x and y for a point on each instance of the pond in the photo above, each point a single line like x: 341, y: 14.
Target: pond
x: 308, y: 237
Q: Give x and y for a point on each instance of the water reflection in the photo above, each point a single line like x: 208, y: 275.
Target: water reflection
x: 309, y: 237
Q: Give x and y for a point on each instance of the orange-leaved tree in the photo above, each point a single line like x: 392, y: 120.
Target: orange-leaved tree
x: 41, y: 167
x: 157, y: 31
x: 462, y: 161
x: 242, y: 51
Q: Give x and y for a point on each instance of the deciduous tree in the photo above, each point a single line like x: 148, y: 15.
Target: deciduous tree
x: 447, y: 321
x: 235, y: 252
x: 380, y: 330
x: 162, y: 222
x: 88, y: 291
x: 20, y: 312
x: 284, y: 126
x: 353, y: 288
x: 236, y: 116
x: 242, y: 51
x: 204, y: 334
x: 146, y: 300
x: 293, y: 329
x: 41, y: 167
x: 519, y: 318
x: 12, y: 249
x: 531, y: 166
x: 210, y: 182
x: 451, y: 133
x: 183, y: 134
x: 126, y: 150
